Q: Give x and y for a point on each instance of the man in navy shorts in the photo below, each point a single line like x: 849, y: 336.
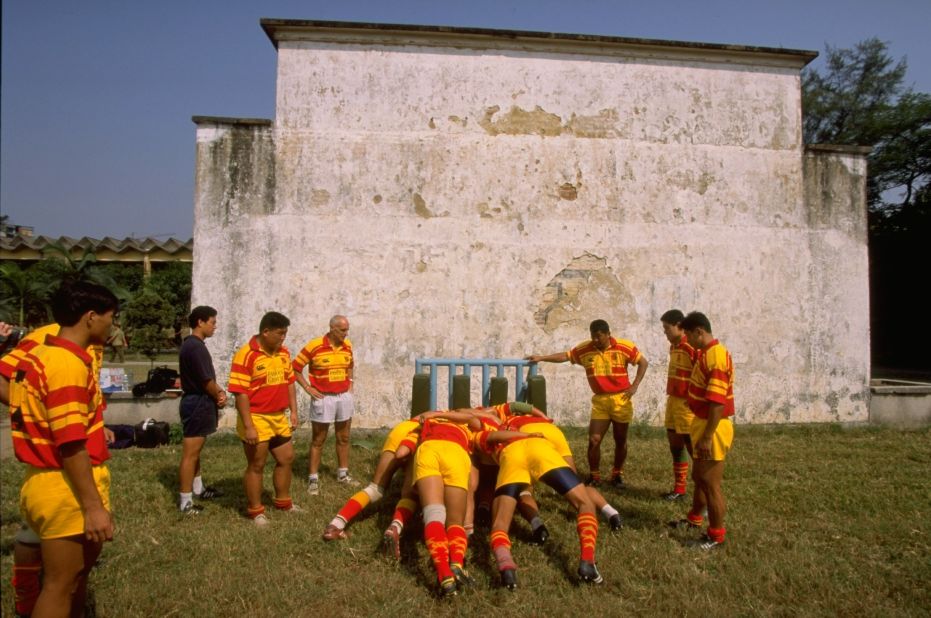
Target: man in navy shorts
x: 199, y: 407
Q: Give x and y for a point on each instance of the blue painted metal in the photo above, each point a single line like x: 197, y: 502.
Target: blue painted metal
x: 463, y: 366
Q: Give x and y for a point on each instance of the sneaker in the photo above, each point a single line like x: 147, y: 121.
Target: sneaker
x: 332, y: 533
x: 672, y: 496
x: 261, y: 521
x: 589, y: 574
x: 391, y: 542
x: 293, y: 509
x: 210, y: 493
x: 591, y: 481
x: 615, y: 522
x: 509, y: 579
x: 448, y: 587
x: 706, y: 543
x: 313, y: 487
x: 191, y: 509
x: 462, y: 576
x: 682, y: 524
x: 540, y: 535
x: 347, y: 480
x: 618, y: 482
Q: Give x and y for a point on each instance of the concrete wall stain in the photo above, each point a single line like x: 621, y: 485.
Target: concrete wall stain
x: 420, y: 207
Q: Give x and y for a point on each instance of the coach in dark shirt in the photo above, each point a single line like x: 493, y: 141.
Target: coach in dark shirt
x: 199, y: 407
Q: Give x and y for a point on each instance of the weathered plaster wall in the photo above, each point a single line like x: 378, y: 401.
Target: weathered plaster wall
x: 491, y: 203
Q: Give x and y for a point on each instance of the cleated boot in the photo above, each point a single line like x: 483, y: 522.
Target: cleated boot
x: 589, y: 574
x: 615, y: 523
x: 448, y: 587
x: 509, y: 579
x: 391, y: 543
x: 540, y: 535
x: 463, y: 579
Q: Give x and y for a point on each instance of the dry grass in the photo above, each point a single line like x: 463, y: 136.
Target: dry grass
x: 822, y: 520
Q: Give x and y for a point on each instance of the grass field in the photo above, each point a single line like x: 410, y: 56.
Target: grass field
x: 823, y: 520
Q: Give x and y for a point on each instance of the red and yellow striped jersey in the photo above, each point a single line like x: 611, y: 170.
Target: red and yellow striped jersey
x: 263, y: 377
x: 681, y: 358
x: 328, y: 368
x: 606, y: 370
x: 443, y: 429
x: 9, y: 362
x: 56, y: 401
x: 712, y: 381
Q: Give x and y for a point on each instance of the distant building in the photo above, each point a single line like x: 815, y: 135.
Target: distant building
x: 465, y: 192
x: 145, y: 251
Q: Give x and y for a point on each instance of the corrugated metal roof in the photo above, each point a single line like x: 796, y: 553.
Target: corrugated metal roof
x: 28, y: 244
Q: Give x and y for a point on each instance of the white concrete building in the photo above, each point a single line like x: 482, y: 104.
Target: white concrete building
x: 480, y: 193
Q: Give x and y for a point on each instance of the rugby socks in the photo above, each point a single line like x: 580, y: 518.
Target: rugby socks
x: 283, y: 504
x: 198, y: 485
x: 617, y: 473
x: 680, y: 470
x: 185, y: 499
x: 501, y: 548
x: 608, y: 511
x: 458, y: 543
x: 696, y: 519
x: 355, y: 504
x: 587, y: 527
x: 402, y: 513
x: 254, y: 512
x: 596, y: 476
x: 26, y: 586
x: 434, y: 534
x: 717, y: 534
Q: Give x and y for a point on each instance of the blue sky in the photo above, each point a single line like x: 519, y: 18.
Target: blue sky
x: 97, y: 95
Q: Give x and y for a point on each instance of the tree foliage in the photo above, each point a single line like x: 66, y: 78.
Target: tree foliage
x: 147, y: 316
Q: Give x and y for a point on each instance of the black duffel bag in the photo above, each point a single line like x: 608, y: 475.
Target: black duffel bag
x: 151, y: 433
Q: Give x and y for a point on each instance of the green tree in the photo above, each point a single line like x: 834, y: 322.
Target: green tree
x: 83, y: 268
x: 147, y: 316
x: 22, y: 293
x: 172, y: 281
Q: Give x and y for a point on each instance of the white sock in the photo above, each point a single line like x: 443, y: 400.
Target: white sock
x: 536, y: 522
x: 608, y: 511
x: 185, y: 499
x: 198, y: 485
x: 342, y: 472
x: 313, y: 477
x: 339, y: 522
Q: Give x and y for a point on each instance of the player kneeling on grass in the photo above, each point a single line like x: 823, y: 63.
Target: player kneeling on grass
x: 395, y: 452
x: 262, y: 380
x: 524, y: 459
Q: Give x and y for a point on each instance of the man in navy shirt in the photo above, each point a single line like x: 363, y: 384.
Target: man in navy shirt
x: 199, y: 407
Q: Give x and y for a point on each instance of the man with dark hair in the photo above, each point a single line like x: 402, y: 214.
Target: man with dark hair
x: 678, y: 414
x: 199, y: 407
x: 605, y: 360
x: 56, y: 414
x: 329, y: 365
x: 711, y: 399
x: 262, y: 381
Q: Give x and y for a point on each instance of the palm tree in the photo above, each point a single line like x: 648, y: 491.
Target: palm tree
x: 24, y: 288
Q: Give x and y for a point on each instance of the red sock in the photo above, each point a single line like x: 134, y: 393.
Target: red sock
x: 403, y: 512
x: 283, y: 504
x: 501, y: 547
x: 434, y: 534
x: 587, y: 527
x: 616, y: 472
x: 254, y: 512
x: 717, y: 534
x: 458, y: 542
x: 596, y: 475
x: 26, y: 586
x: 354, y: 506
x: 680, y: 471
x: 695, y: 518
